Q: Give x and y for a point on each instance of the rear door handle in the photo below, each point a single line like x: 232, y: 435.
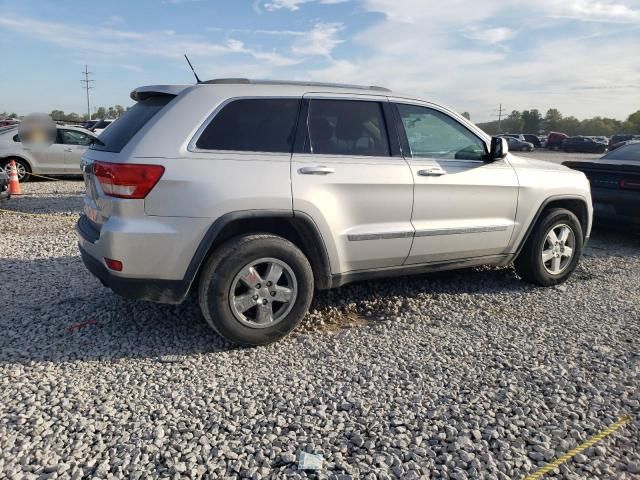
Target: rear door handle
x: 321, y: 170
x: 431, y: 172
x: 68, y: 149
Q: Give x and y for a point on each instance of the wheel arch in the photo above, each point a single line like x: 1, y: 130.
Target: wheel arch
x: 574, y: 203
x: 24, y: 158
x: 299, y: 229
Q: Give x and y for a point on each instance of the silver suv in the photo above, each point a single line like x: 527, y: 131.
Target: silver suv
x: 253, y: 193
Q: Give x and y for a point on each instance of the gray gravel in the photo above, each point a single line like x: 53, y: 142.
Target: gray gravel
x: 459, y: 375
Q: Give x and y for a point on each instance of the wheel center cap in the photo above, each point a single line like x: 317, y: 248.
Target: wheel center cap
x: 263, y: 292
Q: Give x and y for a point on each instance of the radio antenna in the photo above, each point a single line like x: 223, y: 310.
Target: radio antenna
x: 192, y: 69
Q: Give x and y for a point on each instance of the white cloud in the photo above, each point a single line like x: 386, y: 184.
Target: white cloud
x: 113, y: 43
x: 550, y: 66
x: 490, y: 35
x: 320, y: 40
x: 294, y: 5
x: 599, y: 10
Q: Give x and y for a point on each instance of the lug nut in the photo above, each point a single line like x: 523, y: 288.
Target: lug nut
x: 273, y: 294
x: 255, y: 297
x: 265, y: 301
x: 258, y: 285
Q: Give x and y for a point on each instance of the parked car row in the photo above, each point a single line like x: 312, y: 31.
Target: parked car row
x: 581, y: 144
x: 621, y: 139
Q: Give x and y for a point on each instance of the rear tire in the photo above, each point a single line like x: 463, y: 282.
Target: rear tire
x: 255, y: 289
x: 544, y: 259
x: 24, y: 170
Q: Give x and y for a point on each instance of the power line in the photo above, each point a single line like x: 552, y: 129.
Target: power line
x: 86, y: 84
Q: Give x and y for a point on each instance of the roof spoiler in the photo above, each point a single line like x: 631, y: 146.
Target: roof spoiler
x: 142, y: 93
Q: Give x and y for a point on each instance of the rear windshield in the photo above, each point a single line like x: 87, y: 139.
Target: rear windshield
x: 118, y: 135
x: 629, y: 152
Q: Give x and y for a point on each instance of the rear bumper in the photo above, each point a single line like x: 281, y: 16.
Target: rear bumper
x: 94, y: 245
x: 616, y: 206
x: 162, y: 291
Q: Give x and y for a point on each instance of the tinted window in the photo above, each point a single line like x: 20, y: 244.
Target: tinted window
x: 253, y: 125
x: 626, y: 152
x: 433, y: 134
x: 347, y: 127
x: 71, y: 137
x: 118, y: 135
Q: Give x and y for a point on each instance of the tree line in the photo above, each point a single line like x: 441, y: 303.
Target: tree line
x: 101, y: 112
x: 532, y: 121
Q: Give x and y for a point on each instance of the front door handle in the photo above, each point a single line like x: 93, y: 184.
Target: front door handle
x: 68, y: 149
x: 431, y: 172
x: 321, y: 170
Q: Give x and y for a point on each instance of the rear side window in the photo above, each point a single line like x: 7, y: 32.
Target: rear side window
x: 253, y: 125
x: 71, y: 137
x: 118, y: 135
x: 347, y: 127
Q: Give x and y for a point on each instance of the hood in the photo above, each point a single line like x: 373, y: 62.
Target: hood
x: 522, y: 162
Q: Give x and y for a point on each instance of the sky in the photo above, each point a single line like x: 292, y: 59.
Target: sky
x: 580, y: 56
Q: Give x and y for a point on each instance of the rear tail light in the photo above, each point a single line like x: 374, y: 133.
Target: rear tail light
x: 627, y: 184
x: 127, y: 180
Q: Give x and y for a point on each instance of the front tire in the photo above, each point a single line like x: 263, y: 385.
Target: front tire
x: 552, y: 251
x: 255, y: 289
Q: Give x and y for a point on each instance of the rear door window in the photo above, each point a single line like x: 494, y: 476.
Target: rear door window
x: 114, y: 138
x: 347, y: 127
x: 253, y: 125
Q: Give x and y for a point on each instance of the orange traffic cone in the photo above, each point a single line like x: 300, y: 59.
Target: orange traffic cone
x: 14, y: 184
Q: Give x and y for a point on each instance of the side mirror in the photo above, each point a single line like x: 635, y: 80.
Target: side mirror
x: 499, y: 148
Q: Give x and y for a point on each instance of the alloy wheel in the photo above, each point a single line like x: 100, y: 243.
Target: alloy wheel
x: 20, y: 169
x: 263, y: 292
x: 558, y: 248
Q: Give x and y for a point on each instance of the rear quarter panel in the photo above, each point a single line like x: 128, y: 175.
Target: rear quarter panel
x: 207, y: 184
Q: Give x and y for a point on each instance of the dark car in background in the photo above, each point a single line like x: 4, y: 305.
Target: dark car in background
x: 615, y: 185
x: 534, y: 139
x: 621, y: 137
x: 618, y: 141
x: 583, y: 145
x: 555, y: 139
x: 517, y: 145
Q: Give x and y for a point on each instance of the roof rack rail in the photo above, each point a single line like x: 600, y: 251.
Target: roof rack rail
x: 231, y: 81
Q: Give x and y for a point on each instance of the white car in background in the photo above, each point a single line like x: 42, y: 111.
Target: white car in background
x: 100, y: 126
x: 60, y: 158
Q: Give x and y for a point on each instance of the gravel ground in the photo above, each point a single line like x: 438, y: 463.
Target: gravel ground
x: 460, y: 375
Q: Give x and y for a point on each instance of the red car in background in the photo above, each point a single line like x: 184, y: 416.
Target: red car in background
x: 555, y: 139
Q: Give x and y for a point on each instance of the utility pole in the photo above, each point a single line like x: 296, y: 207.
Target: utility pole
x: 500, y: 118
x: 86, y: 84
